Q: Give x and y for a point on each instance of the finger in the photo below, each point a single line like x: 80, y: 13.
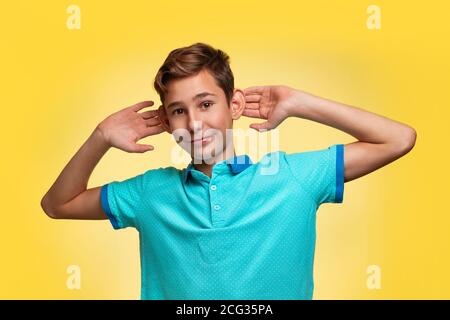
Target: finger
x: 149, y: 114
x: 251, y: 113
x: 254, y: 90
x: 261, y: 126
x: 141, y: 148
x: 153, y: 122
x: 150, y: 131
x: 252, y: 106
x: 140, y: 105
x: 252, y: 98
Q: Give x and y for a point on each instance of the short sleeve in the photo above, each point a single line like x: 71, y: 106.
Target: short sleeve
x: 121, y: 200
x: 320, y: 173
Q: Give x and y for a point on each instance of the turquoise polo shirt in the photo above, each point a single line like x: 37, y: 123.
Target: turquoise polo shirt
x: 248, y: 232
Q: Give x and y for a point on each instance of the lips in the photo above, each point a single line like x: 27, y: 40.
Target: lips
x: 201, y: 139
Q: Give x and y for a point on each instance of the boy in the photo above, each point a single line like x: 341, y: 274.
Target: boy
x: 221, y: 228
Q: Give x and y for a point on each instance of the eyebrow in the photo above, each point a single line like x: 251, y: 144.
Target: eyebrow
x: 197, y: 96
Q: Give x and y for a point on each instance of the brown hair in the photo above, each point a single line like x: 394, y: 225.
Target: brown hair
x: 188, y: 61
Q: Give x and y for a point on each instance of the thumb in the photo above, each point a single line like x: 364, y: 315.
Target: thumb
x: 141, y: 148
x: 261, y: 126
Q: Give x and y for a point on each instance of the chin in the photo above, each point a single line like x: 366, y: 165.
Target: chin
x: 208, y: 154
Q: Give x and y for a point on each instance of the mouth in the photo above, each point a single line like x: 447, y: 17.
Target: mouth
x: 202, y: 140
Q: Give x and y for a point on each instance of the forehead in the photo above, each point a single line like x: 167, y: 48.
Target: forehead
x: 186, y: 88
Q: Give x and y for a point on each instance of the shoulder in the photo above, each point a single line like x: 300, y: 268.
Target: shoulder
x: 148, y: 178
x: 161, y: 175
x: 271, y: 163
x: 314, y: 158
x: 161, y: 172
x: 300, y: 162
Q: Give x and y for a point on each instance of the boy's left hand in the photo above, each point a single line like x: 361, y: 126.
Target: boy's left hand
x: 274, y: 103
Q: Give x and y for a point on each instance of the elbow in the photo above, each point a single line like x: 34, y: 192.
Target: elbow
x: 48, y: 208
x: 407, y: 140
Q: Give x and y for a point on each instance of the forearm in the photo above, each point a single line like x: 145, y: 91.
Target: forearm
x: 74, y: 177
x: 363, y: 125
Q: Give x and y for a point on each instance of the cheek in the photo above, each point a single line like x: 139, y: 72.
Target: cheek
x: 220, y: 119
x: 177, y: 122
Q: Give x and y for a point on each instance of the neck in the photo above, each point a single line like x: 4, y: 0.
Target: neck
x: 206, y: 168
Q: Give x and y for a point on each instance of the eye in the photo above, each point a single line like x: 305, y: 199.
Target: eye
x: 207, y: 104
x: 177, y: 111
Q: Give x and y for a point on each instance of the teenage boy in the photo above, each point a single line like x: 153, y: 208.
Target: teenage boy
x: 223, y: 227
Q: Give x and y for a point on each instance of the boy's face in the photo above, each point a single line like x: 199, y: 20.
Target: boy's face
x: 196, y: 109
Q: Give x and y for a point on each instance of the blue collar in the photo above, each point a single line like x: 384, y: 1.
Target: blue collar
x: 237, y: 164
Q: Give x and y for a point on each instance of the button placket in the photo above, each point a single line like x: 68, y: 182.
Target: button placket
x: 216, y: 207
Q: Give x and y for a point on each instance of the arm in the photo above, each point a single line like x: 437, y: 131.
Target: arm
x: 68, y: 197
x: 380, y: 140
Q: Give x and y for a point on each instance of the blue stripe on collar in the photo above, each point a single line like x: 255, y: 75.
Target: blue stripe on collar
x: 237, y: 164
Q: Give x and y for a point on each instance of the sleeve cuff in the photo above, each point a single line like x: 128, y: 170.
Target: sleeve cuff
x: 106, y: 208
x: 339, y: 173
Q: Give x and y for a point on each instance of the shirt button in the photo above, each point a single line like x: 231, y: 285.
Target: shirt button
x: 213, y: 187
x: 216, y: 207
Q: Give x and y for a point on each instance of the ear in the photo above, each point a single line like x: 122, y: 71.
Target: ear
x: 237, y: 104
x: 163, y: 118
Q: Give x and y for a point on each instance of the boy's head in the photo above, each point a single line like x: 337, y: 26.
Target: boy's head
x: 196, y: 88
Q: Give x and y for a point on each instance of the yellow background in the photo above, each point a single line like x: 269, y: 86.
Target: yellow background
x: 58, y: 84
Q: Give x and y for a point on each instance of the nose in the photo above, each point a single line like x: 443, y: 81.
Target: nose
x: 195, y: 123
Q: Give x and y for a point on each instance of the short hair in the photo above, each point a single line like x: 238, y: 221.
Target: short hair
x: 188, y: 61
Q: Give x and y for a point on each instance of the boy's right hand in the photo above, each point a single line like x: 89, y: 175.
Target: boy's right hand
x: 124, y: 128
